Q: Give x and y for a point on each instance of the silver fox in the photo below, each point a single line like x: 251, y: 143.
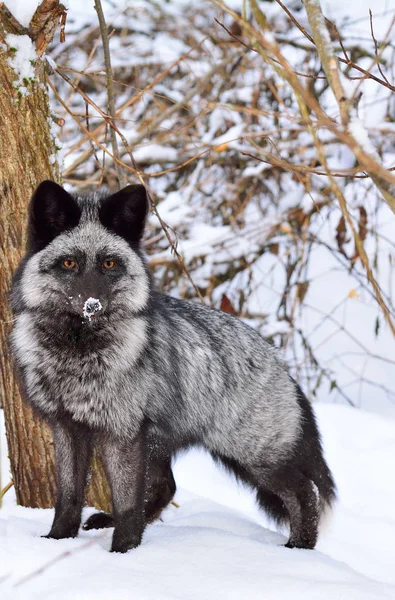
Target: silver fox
x: 108, y: 361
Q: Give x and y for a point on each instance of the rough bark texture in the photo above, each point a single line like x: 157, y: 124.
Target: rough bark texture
x: 27, y: 156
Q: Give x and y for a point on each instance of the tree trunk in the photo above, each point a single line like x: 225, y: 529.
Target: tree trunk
x: 28, y: 155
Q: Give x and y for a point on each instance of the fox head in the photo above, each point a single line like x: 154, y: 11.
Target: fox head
x: 83, y: 262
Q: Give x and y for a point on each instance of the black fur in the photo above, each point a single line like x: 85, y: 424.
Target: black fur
x: 52, y: 210
x: 125, y: 212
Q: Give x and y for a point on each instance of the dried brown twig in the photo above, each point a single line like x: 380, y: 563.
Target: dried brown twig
x: 127, y: 104
x: 347, y: 61
x: 118, y: 161
x: 331, y: 68
x: 5, y: 490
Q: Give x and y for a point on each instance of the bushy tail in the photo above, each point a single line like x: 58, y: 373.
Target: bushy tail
x: 325, y: 485
x: 273, y: 506
x: 322, y: 477
x: 270, y: 502
x: 310, y: 454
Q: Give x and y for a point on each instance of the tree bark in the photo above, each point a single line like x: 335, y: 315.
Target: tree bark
x: 28, y: 155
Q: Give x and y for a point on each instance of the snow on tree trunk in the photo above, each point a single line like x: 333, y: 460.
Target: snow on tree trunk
x: 28, y: 154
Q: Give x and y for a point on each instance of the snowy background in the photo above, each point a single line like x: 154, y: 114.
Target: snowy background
x: 238, y: 224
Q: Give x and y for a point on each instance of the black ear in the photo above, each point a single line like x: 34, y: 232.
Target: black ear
x: 125, y: 212
x: 51, y: 212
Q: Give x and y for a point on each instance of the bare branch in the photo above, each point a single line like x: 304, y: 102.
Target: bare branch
x: 127, y: 104
x: 110, y: 91
x: 11, y: 23
x: 331, y: 67
x: 42, y: 27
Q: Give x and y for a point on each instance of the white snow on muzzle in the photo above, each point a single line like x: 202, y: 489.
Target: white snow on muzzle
x: 91, y: 307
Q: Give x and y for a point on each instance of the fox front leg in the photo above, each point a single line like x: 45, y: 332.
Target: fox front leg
x: 125, y: 464
x: 73, y: 450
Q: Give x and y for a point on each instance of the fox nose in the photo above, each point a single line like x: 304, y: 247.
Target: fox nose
x: 86, y: 306
x: 91, y: 307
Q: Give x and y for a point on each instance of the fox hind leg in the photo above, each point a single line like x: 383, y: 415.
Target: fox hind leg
x: 272, y: 505
x: 160, y: 489
x: 99, y: 520
x: 289, y: 497
x: 310, y: 510
x: 298, y: 496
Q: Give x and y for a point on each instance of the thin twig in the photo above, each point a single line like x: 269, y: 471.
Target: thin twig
x: 376, y: 48
x: 271, y: 159
x: 127, y: 104
x: 5, y: 490
x: 164, y: 226
x: 376, y: 61
x: 110, y: 91
x: 346, y: 60
x: 59, y: 558
x: 328, y: 57
x: 332, y: 71
x: 13, y: 24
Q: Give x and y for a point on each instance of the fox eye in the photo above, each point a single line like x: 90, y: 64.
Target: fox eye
x: 69, y: 263
x: 109, y: 263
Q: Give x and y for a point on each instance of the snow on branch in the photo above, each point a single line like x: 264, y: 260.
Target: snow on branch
x: 358, y: 141
x: 37, y: 20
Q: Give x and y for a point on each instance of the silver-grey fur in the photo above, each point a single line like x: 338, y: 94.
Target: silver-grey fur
x: 150, y: 374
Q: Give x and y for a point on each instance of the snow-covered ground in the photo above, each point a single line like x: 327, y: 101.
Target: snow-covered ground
x: 217, y: 545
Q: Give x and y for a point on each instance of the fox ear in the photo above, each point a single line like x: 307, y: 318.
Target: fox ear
x: 125, y: 212
x: 52, y: 211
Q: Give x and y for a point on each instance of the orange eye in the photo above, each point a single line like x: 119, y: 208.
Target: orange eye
x: 69, y: 263
x: 109, y: 264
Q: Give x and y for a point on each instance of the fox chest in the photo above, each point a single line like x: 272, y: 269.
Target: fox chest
x: 91, y: 389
